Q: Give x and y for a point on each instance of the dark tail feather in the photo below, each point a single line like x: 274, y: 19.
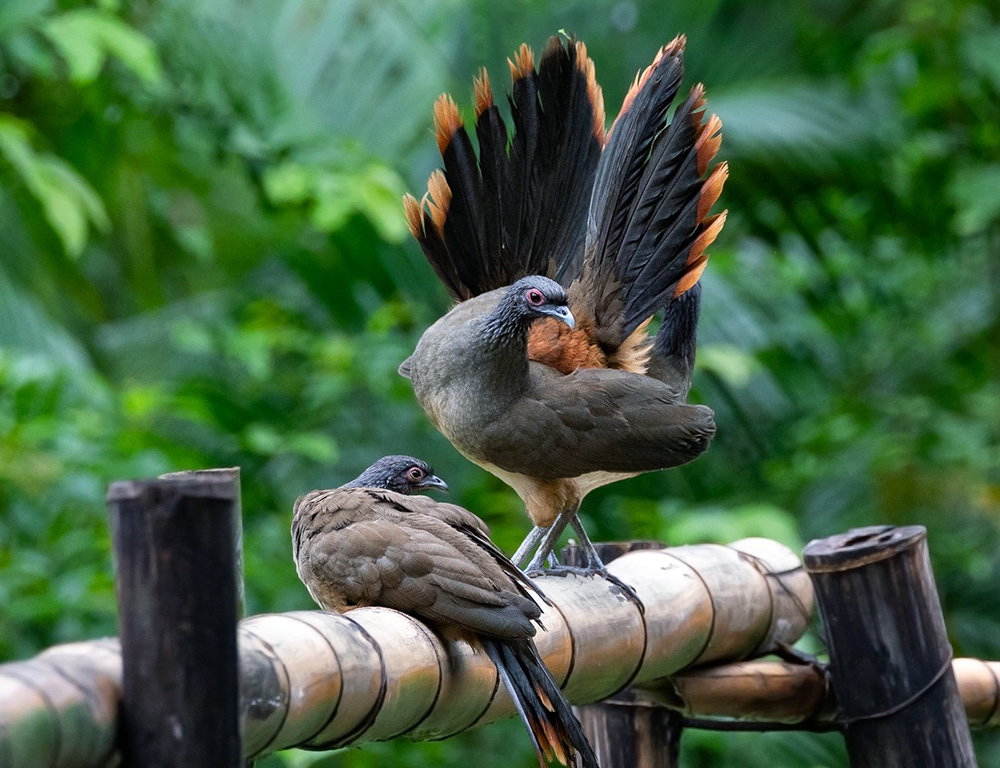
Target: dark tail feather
x: 627, y: 151
x: 521, y: 175
x: 554, y: 729
x: 485, y: 223
x: 571, y: 140
x: 492, y: 135
x: 672, y: 360
x: 648, y: 227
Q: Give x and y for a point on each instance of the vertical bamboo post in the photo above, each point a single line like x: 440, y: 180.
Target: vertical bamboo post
x: 890, y: 660
x: 177, y: 597
x: 626, y: 731
x: 231, y: 475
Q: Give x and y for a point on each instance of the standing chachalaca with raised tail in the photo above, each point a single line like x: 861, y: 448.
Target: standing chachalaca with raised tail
x: 371, y: 543
x: 622, y: 220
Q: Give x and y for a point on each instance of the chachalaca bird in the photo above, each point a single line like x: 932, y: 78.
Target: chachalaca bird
x: 370, y: 542
x: 622, y: 220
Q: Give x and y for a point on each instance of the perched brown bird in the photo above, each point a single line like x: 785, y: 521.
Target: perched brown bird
x: 370, y: 542
x: 620, y: 219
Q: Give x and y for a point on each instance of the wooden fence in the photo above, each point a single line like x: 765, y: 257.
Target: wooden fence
x: 677, y: 656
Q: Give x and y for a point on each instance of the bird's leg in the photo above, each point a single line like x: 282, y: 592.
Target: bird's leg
x: 592, y: 560
x: 531, y: 541
x: 593, y: 564
x: 549, y: 541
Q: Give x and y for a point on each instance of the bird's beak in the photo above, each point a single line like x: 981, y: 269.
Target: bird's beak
x: 435, y: 482
x: 560, y: 313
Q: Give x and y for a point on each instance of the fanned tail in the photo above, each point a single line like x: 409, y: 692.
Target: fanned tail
x: 486, y: 222
x: 648, y: 226
x: 555, y: 732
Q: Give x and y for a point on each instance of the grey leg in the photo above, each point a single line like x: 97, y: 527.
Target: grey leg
x: 593, y: 565
x: 592, y: 560
x: 528, y: 545
x: 549, y: 541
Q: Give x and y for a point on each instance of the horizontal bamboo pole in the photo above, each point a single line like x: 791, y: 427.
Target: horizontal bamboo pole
x: 797, y: 694
x: 321, y: 680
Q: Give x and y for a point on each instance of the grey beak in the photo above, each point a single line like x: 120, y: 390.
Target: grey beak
x: 560, y: 313
x: 435, y: 482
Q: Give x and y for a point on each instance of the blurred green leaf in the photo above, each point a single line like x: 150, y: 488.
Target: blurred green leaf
x: 69, y: 202
x: 725, y: 526
x: 85, y: 38
x: 976, y: 195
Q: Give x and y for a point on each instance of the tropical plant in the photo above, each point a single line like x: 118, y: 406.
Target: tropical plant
x: 203, y: 263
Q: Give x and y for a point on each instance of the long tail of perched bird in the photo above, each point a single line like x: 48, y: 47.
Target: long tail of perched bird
x: 620, y: 218
x: 555, y: 731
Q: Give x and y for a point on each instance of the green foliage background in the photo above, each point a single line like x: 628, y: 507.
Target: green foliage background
x: 203, y: 262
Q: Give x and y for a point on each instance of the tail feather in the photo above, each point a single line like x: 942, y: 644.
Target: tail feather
x: 648, y: 230
x: 423, y: 226
x: 492, y: 136
x: 520, y: 209
x: 464, y: 225
x: 571, y: 140
x: 672, y: 358
x: 625, y: 155
x: 554, y: 730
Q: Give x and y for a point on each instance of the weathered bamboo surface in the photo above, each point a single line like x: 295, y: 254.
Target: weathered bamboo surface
x: 316, y: 679
x: 890, y: 657
x: 320, y: 680
x: 790, y: 693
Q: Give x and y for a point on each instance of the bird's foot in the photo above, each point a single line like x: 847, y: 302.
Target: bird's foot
x: 589, y: 571
x: 558, y: 569
x: 588, y: 561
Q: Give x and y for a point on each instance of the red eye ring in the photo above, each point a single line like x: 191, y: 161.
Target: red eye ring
x: 415, y: 473
x: 534, y: 297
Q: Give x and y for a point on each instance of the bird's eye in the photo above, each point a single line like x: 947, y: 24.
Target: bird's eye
x: 416, y: 473
x: 534, y: 297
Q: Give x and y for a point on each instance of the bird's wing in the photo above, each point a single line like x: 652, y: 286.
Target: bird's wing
x: 419, y: 565
x: 596, y: 420
x: 474, y: 529
x: 450, y: 514
x: 486, y: 223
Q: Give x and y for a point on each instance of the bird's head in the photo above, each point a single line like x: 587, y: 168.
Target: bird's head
x: 538, y: 296
x: 402, y: 474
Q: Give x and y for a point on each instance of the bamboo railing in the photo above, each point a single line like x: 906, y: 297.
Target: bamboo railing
x: 779, y: 692
x: 320, y: 680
